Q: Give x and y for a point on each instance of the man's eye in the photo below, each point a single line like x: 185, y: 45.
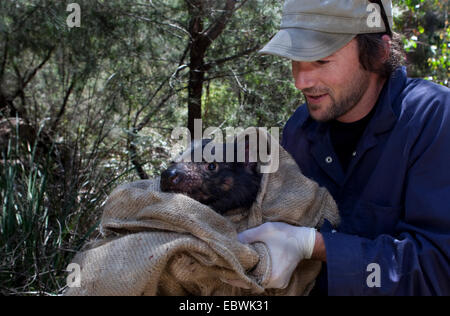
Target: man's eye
x: 322, y: 62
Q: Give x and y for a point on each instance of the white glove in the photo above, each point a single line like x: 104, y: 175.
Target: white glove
x: 287, y: 244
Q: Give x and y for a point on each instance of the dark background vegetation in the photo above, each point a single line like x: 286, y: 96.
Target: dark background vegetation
x: 85, y: 109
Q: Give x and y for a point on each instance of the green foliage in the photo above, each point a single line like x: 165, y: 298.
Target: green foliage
x: 104, y: 97
x: 26, y: 231
x: 426, y: 31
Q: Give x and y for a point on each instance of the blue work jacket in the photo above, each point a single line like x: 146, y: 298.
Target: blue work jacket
x: 394, y: 199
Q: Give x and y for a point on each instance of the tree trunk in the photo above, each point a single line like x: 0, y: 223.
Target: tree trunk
x: 197, y: 53
x: 196, y: 80
x: 200, y: 41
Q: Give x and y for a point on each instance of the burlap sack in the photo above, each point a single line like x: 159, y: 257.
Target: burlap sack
x: 169, y: 244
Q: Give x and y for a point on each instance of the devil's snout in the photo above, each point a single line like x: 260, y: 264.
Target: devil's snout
x: 170, y: 179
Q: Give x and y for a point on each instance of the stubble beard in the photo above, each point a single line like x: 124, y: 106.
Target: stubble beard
x: 357, y: 87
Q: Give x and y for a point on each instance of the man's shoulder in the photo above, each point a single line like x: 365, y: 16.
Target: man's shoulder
x: 422, y: 95
x: 422, y: 102
x: 425, y: 113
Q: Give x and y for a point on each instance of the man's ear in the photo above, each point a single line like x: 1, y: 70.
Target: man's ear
x: 387, y: 47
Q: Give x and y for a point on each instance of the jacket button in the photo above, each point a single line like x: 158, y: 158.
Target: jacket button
x: 328, y: 160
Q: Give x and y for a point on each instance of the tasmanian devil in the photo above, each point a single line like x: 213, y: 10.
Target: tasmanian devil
x: 221, y: 185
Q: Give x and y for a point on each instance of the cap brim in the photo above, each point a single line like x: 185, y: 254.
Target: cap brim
x: 305, y: 45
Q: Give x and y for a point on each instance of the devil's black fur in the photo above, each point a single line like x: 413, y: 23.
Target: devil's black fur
x: 223, y: 186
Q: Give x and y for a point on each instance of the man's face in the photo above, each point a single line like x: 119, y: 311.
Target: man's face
x: 334, y: 85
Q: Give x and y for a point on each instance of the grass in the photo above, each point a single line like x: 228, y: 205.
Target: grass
x: 51, y: 199
x: 39, y: 231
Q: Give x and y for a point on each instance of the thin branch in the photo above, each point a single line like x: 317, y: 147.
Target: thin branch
x: 240, y: 5
x: 26, y: 81
x: 169, y: 79
x: 227, y: 59
x: 33, y: 73
x: 228, y: 75
x: 19, y: 76
x: 217, y: 28
x: 181, y: 65
x: 5, y: 58
x: 175, y: 26
x: 175, y: 74
x: 63, y: 107
x: 137, y: 164
x: 147, y: 119
x: 150, y: 100
x: 183, y: 57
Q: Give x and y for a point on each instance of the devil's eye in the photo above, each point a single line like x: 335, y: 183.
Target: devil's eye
x: 212, y: 166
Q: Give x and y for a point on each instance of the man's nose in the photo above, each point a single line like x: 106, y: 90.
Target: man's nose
x: 303, y: 75
x: 304, y: 80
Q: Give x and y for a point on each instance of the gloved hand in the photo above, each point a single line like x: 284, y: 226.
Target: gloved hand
x: 288, y: 245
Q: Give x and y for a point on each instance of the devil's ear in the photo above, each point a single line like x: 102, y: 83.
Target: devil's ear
x: 195, y: 145
x: 246, y: 150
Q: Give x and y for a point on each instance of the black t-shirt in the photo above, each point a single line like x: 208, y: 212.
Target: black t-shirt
x: 345, y: 137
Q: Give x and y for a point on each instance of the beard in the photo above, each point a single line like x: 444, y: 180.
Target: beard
x: 351, y: 96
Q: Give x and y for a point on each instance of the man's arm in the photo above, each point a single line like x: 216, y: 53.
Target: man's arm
x: 319, y: 252
x: 415, y: 259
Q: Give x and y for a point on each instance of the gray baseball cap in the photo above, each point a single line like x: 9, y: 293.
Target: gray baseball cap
x: 315, y: 29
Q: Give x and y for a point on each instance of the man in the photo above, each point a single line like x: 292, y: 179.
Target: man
x: 378, y: 141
